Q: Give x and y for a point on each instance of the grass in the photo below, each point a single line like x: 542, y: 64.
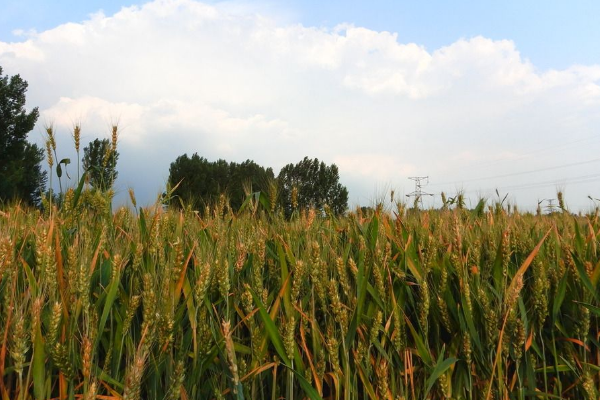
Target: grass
x: 154, y: 304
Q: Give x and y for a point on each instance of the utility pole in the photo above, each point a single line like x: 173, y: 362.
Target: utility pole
x: 419, y: 193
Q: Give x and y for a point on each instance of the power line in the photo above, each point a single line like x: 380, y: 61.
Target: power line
x: 520, y: 173
x: 567, y: 181
x: 560, y: 146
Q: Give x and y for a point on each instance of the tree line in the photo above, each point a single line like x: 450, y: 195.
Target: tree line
x: 196, y: 181
x: 308, y: 183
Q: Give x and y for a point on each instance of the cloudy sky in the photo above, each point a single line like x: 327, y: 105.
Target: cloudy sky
x: 478, y: 97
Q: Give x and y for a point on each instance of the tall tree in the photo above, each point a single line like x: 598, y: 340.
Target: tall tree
x: 311, y: 183
x: 100, y: 160
x: 202, y: 181
x: 21, y: 175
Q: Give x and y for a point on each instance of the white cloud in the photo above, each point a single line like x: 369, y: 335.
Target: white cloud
x: 23, y: 51
x: 367, y: 166
x: 229, y: 82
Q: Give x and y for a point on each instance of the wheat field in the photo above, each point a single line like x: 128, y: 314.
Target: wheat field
x: 145, y: 303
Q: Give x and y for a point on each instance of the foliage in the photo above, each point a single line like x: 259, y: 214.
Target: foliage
x: 201, y: 182
x: 21, y: 175
x: 311, y: 184
x: 100, y: 159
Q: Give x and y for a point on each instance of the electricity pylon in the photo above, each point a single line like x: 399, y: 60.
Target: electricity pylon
x: 419, y: 193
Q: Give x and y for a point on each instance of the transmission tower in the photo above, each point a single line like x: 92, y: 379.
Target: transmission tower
x: 551, y: 207
x: 419, y: 193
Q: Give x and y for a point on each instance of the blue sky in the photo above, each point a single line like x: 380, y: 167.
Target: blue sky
x: 478, y: 95
x: 551, y: 33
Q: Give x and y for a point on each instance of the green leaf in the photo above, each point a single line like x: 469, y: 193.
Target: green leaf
x: 244, y: 205
x: 377, y: 345
x: 39, y: 365
x: 310, y: 391
x: 372, y: 232
x: 110, y: 299
x: 373, y: 292
x: 421, y: 347
x: 440, y: 368
x: 79, y: 189
x: 473, y: 332
x: 592, y: 366
x: 107, y: 378
x: 272, y: 330
x: 553, y: 368
x: 65, y: 161
x: 366, y: 382
x: 264, y: 201
x: 361, y: 283
x: 143, y: 226
x: 411, y: 260
x: 594, y: 309
x: 583, y: 276
x: 559, y: 297
x: 285, y: 280
x: 30, y: 278
x: 536, y: 394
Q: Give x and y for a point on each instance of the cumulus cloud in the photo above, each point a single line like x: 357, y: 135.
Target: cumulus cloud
x: 181, y: 76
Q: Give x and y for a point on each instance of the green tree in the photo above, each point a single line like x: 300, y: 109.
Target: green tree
x: 311, y: 183
x: 247, y: 177
x: 202, y: 181
x: 21, y: 174
x: 100, y: 159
